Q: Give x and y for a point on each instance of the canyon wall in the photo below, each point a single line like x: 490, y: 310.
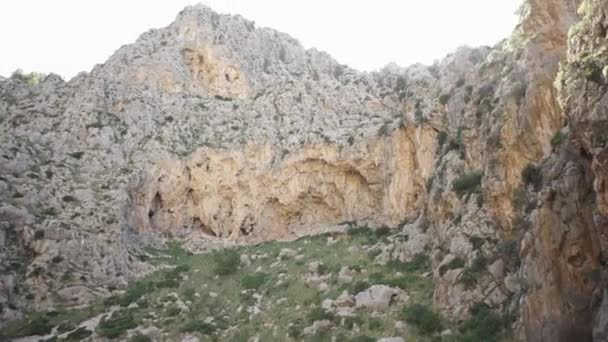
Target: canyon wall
x: 214, y: 129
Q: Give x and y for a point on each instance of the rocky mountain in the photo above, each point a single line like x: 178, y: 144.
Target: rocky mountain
x: 491, y: 162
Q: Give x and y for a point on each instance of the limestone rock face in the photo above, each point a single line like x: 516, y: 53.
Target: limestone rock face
x: 213, y: 129
x: 247, y: 193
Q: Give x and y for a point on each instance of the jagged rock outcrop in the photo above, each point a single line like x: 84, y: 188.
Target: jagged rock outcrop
x: 214, y: 129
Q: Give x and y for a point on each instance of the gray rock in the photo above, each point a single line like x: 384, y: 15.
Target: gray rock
x: 318, y: 326
x: 377, y: 297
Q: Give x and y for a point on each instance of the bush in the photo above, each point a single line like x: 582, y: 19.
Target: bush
x: 359, y: 286
x: 367, y: 234
x: 374, y: 324
x: 423, y: 318
x: 441, y: 139
x: 471, y: 274
x: 509, y: 253
x: 557, y: 139
x: 454, y: 264
x: 116, y: 324
x: 591, y: 70
x: 518, y: 199
x: 420, y: 263
x: 132, y: 294
x: 469, y: 183
x: 419, y: 117
x: 198, y: 326
x: 254, y: 281
x: 362, y: 338
x: 37, y: 325
x: 226, y: 262
x: 532, y: 175
x: 444, y: 98
x: 484, y: 325
x: 78, y: 334
x: 319, y: 314
x: 429, y: 183
x: 140, y: 338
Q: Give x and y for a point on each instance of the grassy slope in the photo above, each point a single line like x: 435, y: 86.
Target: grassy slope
x: 215, y: 302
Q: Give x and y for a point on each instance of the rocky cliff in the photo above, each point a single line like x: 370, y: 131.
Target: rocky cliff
x: 492, y: 161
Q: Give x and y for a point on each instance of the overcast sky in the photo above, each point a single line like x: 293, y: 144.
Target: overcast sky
x: 69, y: 36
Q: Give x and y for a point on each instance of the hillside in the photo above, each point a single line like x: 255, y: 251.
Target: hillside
x: 212, y: 136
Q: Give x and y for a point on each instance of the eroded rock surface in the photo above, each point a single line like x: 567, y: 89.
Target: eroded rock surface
x: 214, y: 129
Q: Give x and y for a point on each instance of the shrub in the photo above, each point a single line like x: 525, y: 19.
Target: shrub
x: 226, y: 262
x: 532, y: 175
x: 78, y: 334
x: 140, y: 338
x: 66, y: 326
x: 37, y: 325
x: 420, y: 263
x: 350, y: 322
x: 471, y: 274
x: 557, y: 139
x: 429, y: 183
x: 467, y: 184
x: 198, y: 326
x: 509, y: 253
x: 132, y: 294
x: 484, y: 325
x: 367, y: 234
x: 441, y: 139
x: 518, y: 199
x: 189, y: 294
x: 419, y: 117
x: 591, y: 70
x: 319, y: 314
x: 444, y: 98
x: 423, y: 318
x: 362, y: 338
x: 359, y: 286
x: 375, y: 324
x: 254, y: 281
x: 116, y: 324
x: 453, y: 264
x: 295, y: 328
x: 476, y: 241
x: 385, y: 129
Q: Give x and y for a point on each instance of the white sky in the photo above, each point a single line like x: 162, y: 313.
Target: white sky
x: 69, y: 36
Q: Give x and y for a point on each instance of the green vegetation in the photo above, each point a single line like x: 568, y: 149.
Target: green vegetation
x: 484, y: 325
x: 518, y: 199
x: 444, y: 98
x: 469, y: 183
x: 557, y: 139
x: 31, y: 78
x: 118, y: 323
x: 140, y: 338
x: 78, y: 334
x: 429, y: 183
x: 423, y: 318
x: 419, y: 117
x: 37, y: 325
x: 198, y: 326
x: 532, y: 175
x: 254, y: 281
x: 471, y: 274
x: 212, y: 293
x: 591, y: 70
x: 453, y: 264
x: 226, y: 262
x: 509, y: 253
x: 441, y: 139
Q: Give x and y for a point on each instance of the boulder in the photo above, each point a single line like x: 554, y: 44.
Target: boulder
x: 377, y: 297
